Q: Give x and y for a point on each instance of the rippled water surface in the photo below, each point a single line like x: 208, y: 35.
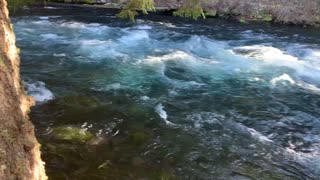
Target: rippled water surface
x: 171, y: 99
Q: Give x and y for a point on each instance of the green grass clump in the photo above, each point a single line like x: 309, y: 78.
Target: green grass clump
x: 243, y: 21
x: 132, y: 8
x: 191, y: 9
x: 128, y: 14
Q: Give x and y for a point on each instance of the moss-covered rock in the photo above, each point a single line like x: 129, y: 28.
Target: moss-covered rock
x: 72, y: 134
x: 80, y: 102
x: 139, y: 138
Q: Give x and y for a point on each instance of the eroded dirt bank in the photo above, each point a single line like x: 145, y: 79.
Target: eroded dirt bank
x: 19, y: 149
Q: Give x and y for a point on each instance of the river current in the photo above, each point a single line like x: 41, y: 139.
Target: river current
x: 171, y: 98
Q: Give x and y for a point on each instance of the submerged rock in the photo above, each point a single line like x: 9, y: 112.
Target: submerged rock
x: 139, y: 138
x: 72, y: 134
x: 80, y: 102
x: 138, y: 161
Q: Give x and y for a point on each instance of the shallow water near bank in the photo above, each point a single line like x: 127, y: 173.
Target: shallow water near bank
x: 171, y: 99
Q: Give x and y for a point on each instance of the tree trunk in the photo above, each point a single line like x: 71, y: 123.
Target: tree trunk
x: 19, y: 149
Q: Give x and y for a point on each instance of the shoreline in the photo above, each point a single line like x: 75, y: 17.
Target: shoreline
x: 243, y: 19
x: 99, y: 6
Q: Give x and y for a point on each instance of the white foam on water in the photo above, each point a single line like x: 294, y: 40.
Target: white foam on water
x: 50, y: 36
x: 285, y: 78
x: 95, y: 28
x: 176, y: 55
x: 144, y: 98
x: 314, y: 54
x: 203, y: 119
x: 98, y: 49
x: 50, y: 7
x: 256, y: 35
x: 235, y: 126
x: 48, y: 17
x: 73, y: 25
x: 311, y: 159
x: 113, y: 86
x: 311, y: 68
x: 134, y: 36
x: 59, y: 55
x: 169, y: 25
x: 163, y: 114
x: 282, y: 78
x: 182, y: 57
x: 108, y: 87
x: 144, y: 27
x: 214, y: 58
x: 185, y: 60
x: 258, y: 135
x: 194, y: 83
x: 265, y: 53
x: 305, y: 66
x: 254, y: 134
x: 44, y: 17
x: 90, y: 42
x: 257, y: 79
x: 309, y: 87
x: 41, y: 22
x: 158, y: 62
x: 39, y: 91
x: 172, y: 92
x: 140, y: 21
x: 204, y: 46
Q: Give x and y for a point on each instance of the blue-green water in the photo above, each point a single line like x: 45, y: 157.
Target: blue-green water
x: 173, y: 99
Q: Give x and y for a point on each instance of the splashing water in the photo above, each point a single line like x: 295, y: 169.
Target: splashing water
x: 39, y: 91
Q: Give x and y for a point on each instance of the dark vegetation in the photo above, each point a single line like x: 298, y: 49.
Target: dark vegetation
x: 306, y: 12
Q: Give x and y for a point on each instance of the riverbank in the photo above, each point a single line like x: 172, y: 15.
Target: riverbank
x: 292, y: 12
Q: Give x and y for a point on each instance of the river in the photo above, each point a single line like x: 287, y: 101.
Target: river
x: 171, y: 98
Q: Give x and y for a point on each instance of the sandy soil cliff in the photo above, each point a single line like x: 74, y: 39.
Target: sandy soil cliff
x: 19, y: 149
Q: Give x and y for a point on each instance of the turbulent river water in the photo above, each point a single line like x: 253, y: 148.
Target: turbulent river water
x: 171, y: 99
